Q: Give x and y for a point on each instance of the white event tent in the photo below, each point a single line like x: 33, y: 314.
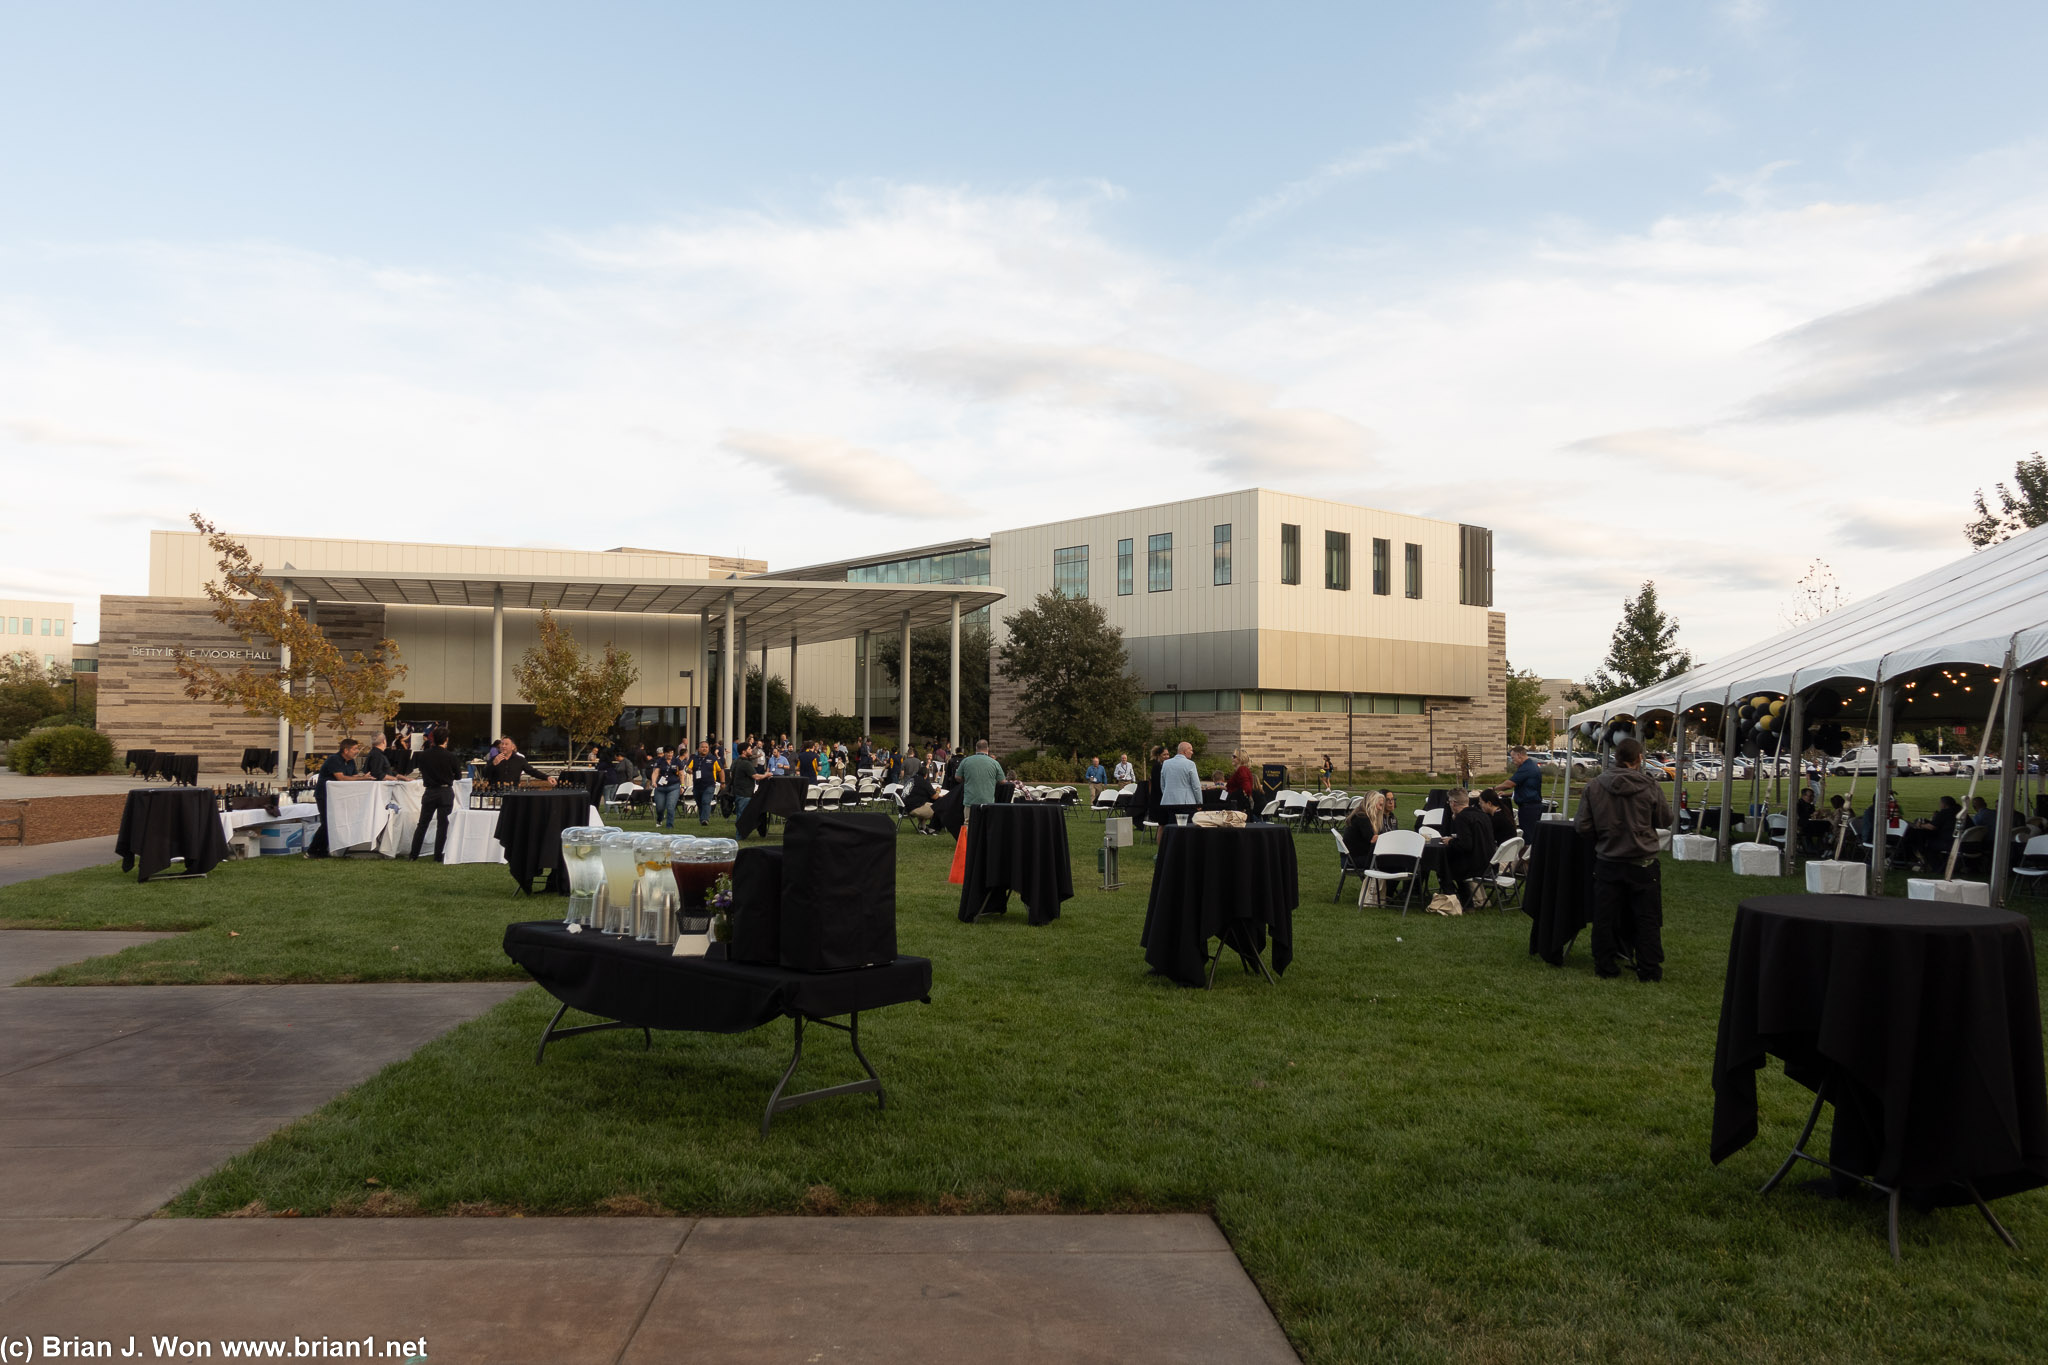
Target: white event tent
x: 1914, y: 645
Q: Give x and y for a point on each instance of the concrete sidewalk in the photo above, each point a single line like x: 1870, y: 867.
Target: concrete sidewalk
x: 19, y: 864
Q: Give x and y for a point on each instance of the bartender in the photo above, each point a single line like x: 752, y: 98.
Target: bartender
x: 508, y: 765
x: 377, y: 763
x: 340, y: 766
x: 437, y: 769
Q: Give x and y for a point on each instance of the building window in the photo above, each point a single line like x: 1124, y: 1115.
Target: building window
x: 1219, y: 557
x: 14, y: 625
x: 1382, y: 567
x: 1412, y: 581
x: 1124, y: 568
x: 1475, y: 566
x: 1337, y: 560
x: 60, y: 625
x: 1290, y: 553
x: 1159, y: 563
x: 1070, y: 571
x: 46, y: 625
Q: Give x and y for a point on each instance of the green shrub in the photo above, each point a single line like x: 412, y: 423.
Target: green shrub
x: 1216, y: 766
x: 1175, y: 735
x: 1049, y: 769
x: 67, y: 749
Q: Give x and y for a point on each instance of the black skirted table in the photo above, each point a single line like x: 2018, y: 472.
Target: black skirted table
x: 645, y: 986
x: 1021, y: 848
x: 1558, y: 895
x: 530, y: 825
x: 1233, y: 885
x: 782, y: 796
x: 589, y: 781
x: 1920, y: 1021
x: 160, y: 825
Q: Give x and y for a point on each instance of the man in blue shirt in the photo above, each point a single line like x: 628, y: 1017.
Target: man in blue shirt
x: 703, y: 772
x: 1525, y: 779
x: 1095, y: 771
x: 339, y: 766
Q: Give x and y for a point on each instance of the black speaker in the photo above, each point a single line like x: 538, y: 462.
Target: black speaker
x: 838, y: 891
x: 757, y: 906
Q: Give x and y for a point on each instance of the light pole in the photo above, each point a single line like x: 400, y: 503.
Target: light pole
x: 690, y: 712
x: 1432, y: 739
x: 1175, y: 689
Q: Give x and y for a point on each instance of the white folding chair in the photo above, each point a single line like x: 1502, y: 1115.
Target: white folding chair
x: 1345, y: 867
x: 1293, y: 805
x: 811, y: 796
x: 1105, y: 801
x: 2030, y: 869
x: 1395, y: 843
x: 1434, y: 819
x: 1500, y: 887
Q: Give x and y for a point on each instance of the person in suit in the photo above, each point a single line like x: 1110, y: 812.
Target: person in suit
x: 438, y: 771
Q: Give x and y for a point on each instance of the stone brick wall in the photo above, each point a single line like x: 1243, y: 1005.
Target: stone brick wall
x: 142, y: 702
x: 1300, y: 739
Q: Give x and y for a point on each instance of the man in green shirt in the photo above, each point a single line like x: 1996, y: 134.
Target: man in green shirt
x: 978, y: 777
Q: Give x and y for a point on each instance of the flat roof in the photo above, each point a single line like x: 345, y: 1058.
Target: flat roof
x: 774, y: 608
x: 837, y: 568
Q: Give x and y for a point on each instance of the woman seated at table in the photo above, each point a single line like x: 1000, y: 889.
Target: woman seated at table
x: 1929, y: 840
x: 1498, y: 815
x: 1366, y: 824
x: 1468, y: 847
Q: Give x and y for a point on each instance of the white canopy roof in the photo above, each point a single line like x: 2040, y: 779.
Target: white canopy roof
x: 1969, y: 612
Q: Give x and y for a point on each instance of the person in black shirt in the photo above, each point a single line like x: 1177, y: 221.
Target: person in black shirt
x: 437, y: 769
x: 1468, y: 846
x: 742, y: 784
x: 377, y: 763
x: 508, y: 765
x: 1497, y: 814
x: 340, y: 766
x: 703, y: 770
x: 666, y: 776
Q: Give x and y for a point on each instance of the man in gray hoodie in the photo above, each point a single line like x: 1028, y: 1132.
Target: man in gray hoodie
x: 1621, y: 811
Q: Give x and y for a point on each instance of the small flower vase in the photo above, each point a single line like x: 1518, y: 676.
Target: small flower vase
x: 721, y: 927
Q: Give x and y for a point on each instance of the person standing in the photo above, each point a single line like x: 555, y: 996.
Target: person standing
x: 1125, y: 773
x: 1621, y: 810
x: 437, y: 769
x: 979, y: 773
x: 666, y: 777
x: 741, y: 784
x: 1326, y: 772
x: 1242, y: 784
x: 339, y: 766
x: 703, y: 770
x: 1180, y: 785
x: 1525, y: 781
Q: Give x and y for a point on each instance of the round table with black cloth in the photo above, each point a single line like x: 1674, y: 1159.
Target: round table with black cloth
x: 1209, y: 879
x: 530, y: 825
x: 160, y: 825
x: 772, y: 796
x: 1923, y: 1019
x: 590, y: 781
x: 1021, y: 848
x: 1558, y: 895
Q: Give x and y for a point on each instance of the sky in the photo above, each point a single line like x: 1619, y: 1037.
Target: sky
x: 1696, y: 294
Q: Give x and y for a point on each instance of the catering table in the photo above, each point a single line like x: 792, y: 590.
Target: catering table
x: 772, y: 796
x: 356, y: 815
x: 589, y: 780
x: 1235, y: 885
x: 162, y: 824
x: 1920, y: 1022
x: 402, y: 816
x: 287, y: 812
x: 645, y: 986
x: 530, y: 825
x: 1021, y: 848
x: 472, y: 834
x: 259, y: 760
x: 1558, y: 896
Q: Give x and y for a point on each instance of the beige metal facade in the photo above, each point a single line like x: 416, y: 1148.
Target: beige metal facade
x: 41, y: 630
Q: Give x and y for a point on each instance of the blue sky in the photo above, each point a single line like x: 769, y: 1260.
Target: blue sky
x: 1693, y: 291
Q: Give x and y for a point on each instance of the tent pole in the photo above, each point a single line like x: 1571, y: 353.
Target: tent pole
x: 1879, y: 825
x: 1727, y: 818
x: 1795, y: 714
x: 1677, y: 760
x: 2010, y: 750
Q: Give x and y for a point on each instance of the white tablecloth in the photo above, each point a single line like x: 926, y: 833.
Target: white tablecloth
x: 232, y: 820
x: 1963, y: 893
x: 1756, y: 860
x: 403, y: 810
x: 1826, y: 877
x: 356, y: 814
x: 1693, y: 848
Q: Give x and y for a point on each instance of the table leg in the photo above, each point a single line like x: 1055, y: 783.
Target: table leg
x: 1989, y: 1217
x: 551, y: 1033
x: 778, y: 1102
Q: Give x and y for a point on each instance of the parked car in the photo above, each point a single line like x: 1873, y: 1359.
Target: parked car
x: 1940, y: 765
x: 1906, y: 762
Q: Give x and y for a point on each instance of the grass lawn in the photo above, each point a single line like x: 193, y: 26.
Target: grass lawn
x: 1424, y: 1144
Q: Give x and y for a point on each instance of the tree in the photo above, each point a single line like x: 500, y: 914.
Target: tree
x: 1643, y: 650
x: 931, y: 674
x: 1069, y: 663
x: 579, y: 696
x: 29, y: 692
x: 2016, y: 513
x: 777, y: 719
x: 1525, y: 706
x: 1814, y: 596
x: 320, y: 685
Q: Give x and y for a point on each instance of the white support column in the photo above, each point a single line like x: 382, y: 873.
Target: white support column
x: 867, y: 683
x: 2010, y: 749
x: 497, y: 662
x: 284, y: 727
x: 903, y: 692
x: 1791, y: 749
x: 728, y: 657
x: 953, y: 695
x: 793, y: 741
x: 739, y: 710
x: 701, y: 684
x: 1677, y: 759
x: 313, y: 618
x: 1879, y: 826
x: 1723, y: 837
x: 766, y: 727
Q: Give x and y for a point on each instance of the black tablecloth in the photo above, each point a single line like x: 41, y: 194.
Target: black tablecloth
x: 646, y: 985
x: 1206, y: 880
x: 530, y: 825
x: 1929, y: 1010
x: 160, y: 824
x: 1558, y: 897
x: 589, y: 781
x: 772, y: 796
x: 258, y: 760
x: 182, y: 768
x: 1021, y: 848
x: 140, y: 760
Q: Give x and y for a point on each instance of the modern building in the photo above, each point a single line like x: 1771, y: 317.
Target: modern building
x: 1285, y: 627
x: 41, y: 630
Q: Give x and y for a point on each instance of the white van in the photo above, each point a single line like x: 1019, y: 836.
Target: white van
x: 1905, y: 762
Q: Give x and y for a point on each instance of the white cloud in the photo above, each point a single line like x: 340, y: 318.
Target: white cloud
x: 846, y: 475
